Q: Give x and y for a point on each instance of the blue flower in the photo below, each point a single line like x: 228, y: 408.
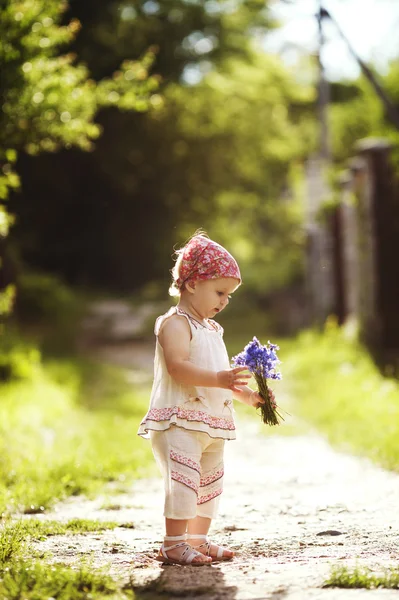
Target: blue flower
x: 260, y: 360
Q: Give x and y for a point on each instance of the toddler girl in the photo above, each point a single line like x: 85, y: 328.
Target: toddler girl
x: 190, y: 414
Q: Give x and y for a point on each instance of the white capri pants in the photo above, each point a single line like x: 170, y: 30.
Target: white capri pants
x: 191, y: 463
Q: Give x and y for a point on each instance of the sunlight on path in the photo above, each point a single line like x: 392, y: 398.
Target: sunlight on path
x: 292, y: 507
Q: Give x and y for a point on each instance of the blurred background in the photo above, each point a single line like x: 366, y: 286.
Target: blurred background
x: 126, y: 125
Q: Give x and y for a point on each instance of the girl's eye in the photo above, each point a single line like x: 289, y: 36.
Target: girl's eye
x: 219, y: 293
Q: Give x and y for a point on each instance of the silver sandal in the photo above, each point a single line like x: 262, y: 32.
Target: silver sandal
x: 207, y: 544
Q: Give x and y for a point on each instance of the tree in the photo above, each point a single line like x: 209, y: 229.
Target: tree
x: 224, y: 154
x: 223, y: 151
x: 48, y: 99
x: 186, y: 32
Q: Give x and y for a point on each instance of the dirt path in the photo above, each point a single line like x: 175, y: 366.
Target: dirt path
x: 282, y: 496
x: 292, y: 508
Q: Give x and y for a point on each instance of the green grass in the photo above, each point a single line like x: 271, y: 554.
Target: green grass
x: 11, y: 543
x: 24, y: 577
x: 344, y: 577
x: 37, y: 529
x: 35, y: 580
x: 339, y: 390
x: 67, y: 430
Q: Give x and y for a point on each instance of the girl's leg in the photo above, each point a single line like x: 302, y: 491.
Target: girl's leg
x: 211, y: 485
x: 176, y: 528
x: 200, y: 527
x: 176, y: 454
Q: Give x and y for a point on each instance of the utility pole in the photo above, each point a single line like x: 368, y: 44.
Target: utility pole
x: 319, y: 243
x: 323, y: 89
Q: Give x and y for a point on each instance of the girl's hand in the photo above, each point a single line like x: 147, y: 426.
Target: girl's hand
x: 232, y: 378
x: 251, y: 397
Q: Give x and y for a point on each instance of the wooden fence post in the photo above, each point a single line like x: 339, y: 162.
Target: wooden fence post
x: 319, y: 283
x: 377, y: 189
x: 345, y: 255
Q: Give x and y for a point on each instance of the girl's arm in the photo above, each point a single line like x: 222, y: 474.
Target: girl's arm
x: 174, y: 337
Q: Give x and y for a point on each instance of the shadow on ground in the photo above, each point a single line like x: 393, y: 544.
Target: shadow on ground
x: 185, y: 582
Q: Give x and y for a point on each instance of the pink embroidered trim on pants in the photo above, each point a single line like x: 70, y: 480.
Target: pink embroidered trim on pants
x: 207, y: 497
x: 185, y: 460
x: 185, y: 480
x: 212, y: 478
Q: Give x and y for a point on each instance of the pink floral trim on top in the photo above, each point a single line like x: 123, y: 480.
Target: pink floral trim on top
x: 185, y: 460
x: 185, y: 480
x: 164, y: 414
x: 203, y: 499
x: 212, y: 478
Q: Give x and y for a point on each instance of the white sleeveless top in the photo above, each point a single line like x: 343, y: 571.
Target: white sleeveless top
x: 206, y: 409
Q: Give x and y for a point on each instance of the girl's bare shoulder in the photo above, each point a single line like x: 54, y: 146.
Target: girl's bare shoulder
x: 174, y: 325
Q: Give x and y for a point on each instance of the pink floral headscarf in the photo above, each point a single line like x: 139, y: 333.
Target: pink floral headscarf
x: 203, y: 258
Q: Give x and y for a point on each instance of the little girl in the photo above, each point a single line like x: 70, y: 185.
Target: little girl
x: 191, y: 414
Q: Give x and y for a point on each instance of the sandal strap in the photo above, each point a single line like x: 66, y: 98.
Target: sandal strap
x: 179, y: 545
x: 208, y: 545
x: 175, y: 538
x: 192, y: 555
x: 185, y: 558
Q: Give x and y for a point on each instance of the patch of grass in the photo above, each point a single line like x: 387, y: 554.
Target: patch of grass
x: 68, y: 430
x: 34, y: 581
x: 358, y: 577
x: 22, y: 577
x: 38, y: 529
x: 338, y: 389
x: 11, y: 542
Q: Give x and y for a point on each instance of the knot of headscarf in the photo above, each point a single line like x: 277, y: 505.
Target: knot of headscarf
x: 203, y: 258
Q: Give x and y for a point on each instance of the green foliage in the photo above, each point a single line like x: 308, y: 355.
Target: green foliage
x: 360, y: 407
x: 359, y: 113
x: 186, y: 33
x: 354, y: 119
x: 228, y: 152
x: 240, y: 145
x: 7, y: 297
x: 49, y: 310
x: 19, y: 359
x: 35, y: 580
x: 22, y: 577
x: 11, y: 542
x: 37, y: 529
x: 60, y: 435
x: 345, y: 577
x: 225, y: 154
x: 48, y: 100
x: 44, y: 297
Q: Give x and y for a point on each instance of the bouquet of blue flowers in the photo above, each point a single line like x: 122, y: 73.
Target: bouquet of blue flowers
x: 262, y: 362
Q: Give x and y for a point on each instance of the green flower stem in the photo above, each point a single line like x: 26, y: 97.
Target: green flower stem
x: 269, y: 415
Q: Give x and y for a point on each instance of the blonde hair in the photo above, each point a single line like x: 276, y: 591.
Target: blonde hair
x: 175, y: 290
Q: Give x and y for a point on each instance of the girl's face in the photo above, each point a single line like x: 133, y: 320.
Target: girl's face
x: 209, y: 297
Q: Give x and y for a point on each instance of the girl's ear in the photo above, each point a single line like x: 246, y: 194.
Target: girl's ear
x: 190, y: 286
